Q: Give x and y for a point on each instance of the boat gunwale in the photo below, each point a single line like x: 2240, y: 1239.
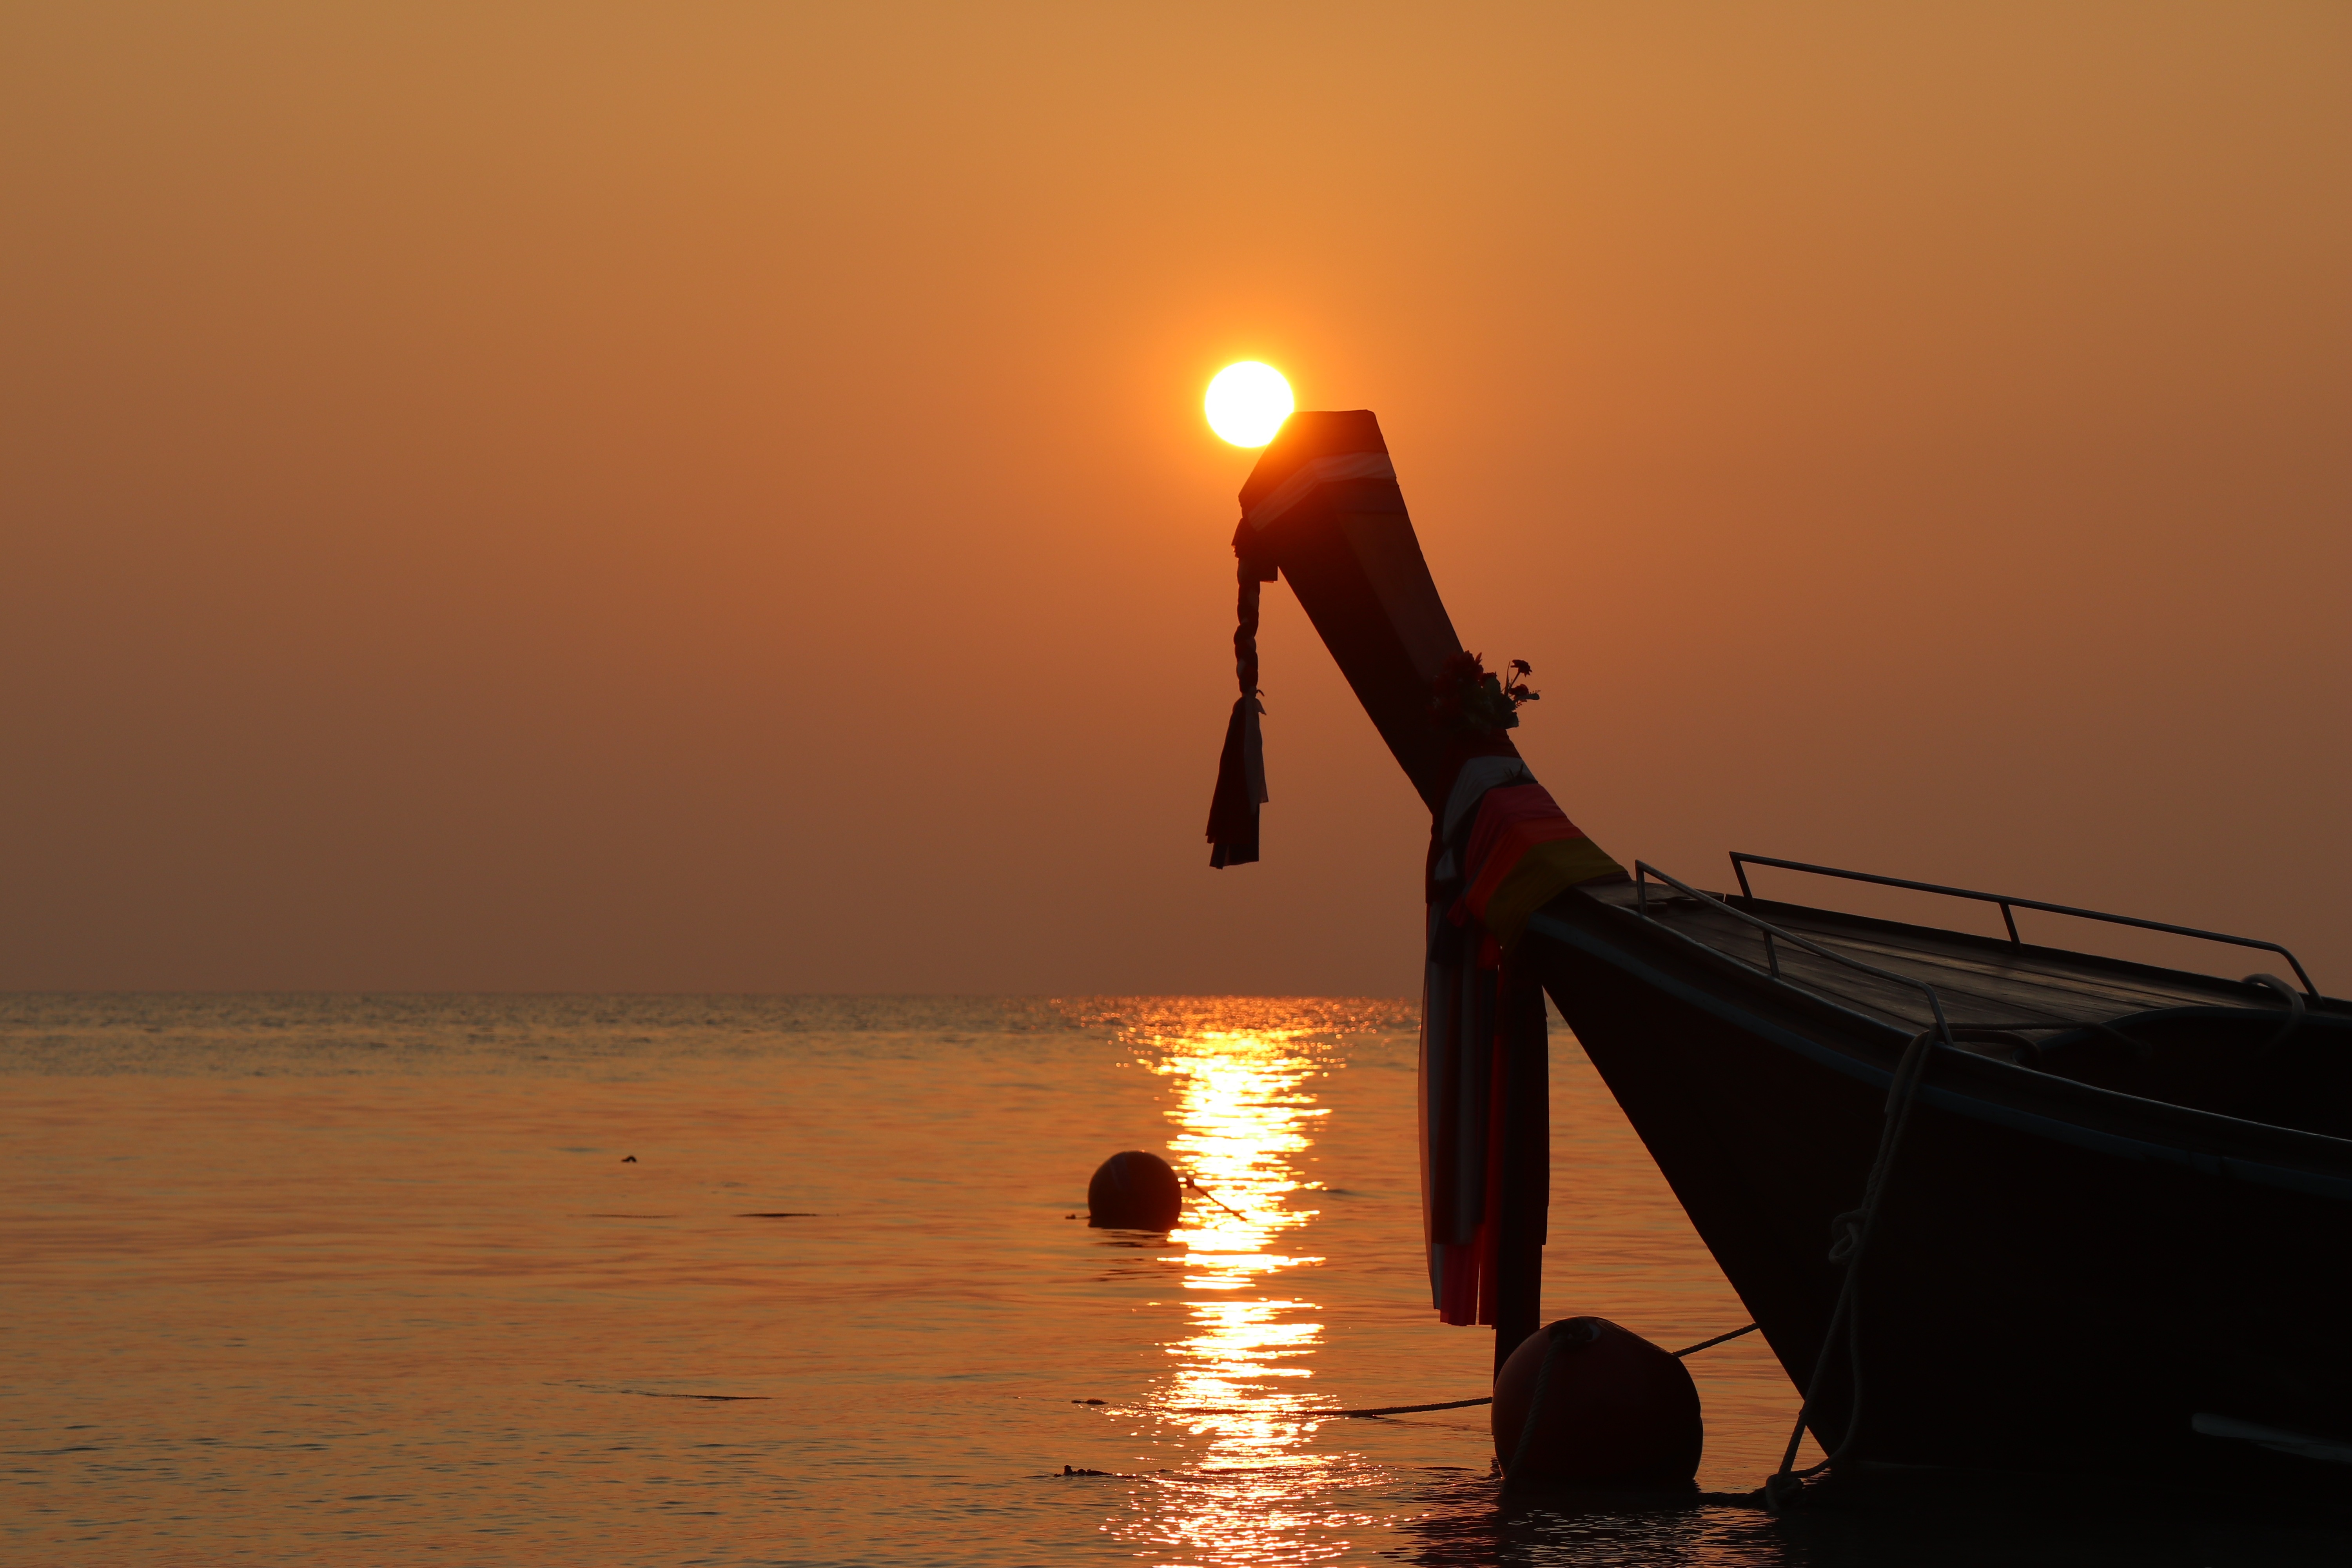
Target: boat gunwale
x: 2110, y: 1121
x: 2009, y: 951
x: 2133, y: 968
x: 2009, y: 902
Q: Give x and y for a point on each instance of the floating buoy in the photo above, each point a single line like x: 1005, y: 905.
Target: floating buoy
x: 1613, y: 1410
x: 1134, y: 1191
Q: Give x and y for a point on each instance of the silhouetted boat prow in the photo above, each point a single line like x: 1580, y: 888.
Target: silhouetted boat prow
x: 2091, y: 1217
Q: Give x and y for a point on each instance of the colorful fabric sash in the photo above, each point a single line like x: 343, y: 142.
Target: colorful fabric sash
x: 1524, y: 852
x: 1501, y: 850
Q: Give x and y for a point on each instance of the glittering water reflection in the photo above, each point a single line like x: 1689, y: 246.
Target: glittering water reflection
x: 1246, y: 1117
x: 1243, y: 1117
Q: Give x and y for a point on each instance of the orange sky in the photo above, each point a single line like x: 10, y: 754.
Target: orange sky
x: 618, y: 498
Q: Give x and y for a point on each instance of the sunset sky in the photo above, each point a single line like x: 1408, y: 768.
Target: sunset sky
x: 606, y: 498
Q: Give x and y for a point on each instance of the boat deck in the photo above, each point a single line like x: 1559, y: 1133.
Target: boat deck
x: 1983, y: 983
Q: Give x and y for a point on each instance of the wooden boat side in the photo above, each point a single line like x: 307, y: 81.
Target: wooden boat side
x: 1865, y: 1042
x: 2116, y: 1266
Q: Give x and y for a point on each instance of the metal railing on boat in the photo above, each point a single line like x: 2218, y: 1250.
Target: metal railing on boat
x: 1643, y: 871
x: 1740, y: 861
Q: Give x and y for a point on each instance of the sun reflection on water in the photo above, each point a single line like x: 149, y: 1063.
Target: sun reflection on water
x: 1244, y: 1116
x: 1240, y: 1382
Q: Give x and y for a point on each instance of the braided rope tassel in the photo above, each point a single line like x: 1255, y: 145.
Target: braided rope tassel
x: 1241, y: 769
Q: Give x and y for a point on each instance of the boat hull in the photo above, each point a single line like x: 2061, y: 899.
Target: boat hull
x: 2063, y: 1280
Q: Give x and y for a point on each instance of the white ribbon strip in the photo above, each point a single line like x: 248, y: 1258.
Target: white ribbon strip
x: 1320, y: 471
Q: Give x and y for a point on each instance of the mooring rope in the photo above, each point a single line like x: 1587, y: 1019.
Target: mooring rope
x: 1301, y: 1414
x: 1710, y: 1344
x: 1216, y: 1200
x: 1850, y: 1235
x: 1384, y: 1409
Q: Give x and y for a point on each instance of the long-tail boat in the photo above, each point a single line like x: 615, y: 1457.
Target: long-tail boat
x: 2000, y: 1208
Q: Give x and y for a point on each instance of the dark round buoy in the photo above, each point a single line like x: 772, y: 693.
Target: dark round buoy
x: 1617, y: 1410
x: 1134, y: 1191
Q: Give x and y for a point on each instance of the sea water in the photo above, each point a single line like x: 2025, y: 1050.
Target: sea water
x: 809, y: 1281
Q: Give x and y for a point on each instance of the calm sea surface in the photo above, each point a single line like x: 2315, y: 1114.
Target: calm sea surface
x: 808, y: 1281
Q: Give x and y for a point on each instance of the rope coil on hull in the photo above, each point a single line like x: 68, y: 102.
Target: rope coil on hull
x: 1851, y: 1233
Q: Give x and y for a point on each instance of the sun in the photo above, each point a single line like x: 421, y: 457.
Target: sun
x: 1248, y: 403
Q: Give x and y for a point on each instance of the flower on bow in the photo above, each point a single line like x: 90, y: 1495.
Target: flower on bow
x: 1465, y: 696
